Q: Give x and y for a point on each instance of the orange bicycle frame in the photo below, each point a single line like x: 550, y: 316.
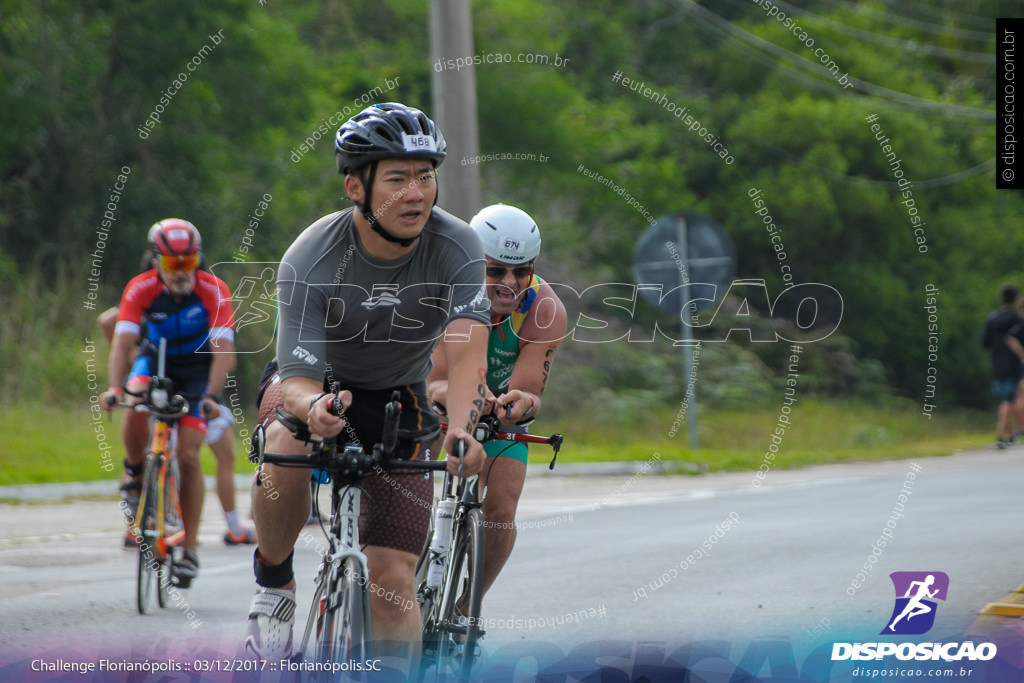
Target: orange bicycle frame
x: 159, y: 451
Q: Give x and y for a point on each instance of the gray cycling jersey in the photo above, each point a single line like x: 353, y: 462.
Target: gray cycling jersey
x: 339, y: 307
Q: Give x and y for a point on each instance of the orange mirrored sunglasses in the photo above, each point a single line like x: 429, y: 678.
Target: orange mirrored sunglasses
x: 182, y: 263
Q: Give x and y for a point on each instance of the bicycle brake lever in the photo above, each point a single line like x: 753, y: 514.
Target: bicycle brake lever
x: 556, y: 444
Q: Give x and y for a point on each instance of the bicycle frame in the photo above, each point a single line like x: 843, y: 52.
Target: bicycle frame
x: 464, y: 495
x: 342, y: 580
x: 439, y: 569
x: 160, y: 455
x: 159, y: 507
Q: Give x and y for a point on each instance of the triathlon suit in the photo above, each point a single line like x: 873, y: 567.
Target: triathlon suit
x: 502, y: 354
x: 188, y: 326
x: 372, y: 325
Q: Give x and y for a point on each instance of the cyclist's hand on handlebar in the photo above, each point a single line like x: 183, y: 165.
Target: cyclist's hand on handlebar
x: 474, y: 459
x: 492, y: 405
x: 322, y: 420
x: 110, y: 398
x: 513, y: 407
x: 210, y: 409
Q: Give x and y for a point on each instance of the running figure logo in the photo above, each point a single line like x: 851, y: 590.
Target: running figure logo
x: 914, y: 613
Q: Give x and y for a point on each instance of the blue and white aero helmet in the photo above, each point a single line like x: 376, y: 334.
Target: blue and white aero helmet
x: 508, y: 234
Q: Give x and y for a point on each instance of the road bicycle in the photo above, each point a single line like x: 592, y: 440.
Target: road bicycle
x: 340, y: 611
x: 157, y: 525
x: 451, y: 565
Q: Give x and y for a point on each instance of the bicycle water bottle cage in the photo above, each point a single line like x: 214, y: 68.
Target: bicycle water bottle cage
x: 298, y: 428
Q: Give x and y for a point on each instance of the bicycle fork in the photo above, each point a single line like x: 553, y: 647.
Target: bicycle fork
x: 344, y: 548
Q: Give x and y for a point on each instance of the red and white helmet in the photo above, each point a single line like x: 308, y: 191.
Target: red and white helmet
x: 174, y: 237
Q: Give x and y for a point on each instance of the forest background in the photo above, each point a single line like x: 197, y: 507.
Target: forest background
x: 99, y: 138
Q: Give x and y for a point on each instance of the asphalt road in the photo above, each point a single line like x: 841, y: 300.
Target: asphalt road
x: 641, y: 558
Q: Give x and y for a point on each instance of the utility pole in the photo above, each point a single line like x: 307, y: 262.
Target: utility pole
x: 454, y: 105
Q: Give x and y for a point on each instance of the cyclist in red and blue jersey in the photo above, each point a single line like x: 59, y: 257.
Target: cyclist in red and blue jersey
x: 528, y: 322
x: 192, y: 310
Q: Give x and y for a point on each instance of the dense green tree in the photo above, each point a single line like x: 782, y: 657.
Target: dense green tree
x: 80, y: 80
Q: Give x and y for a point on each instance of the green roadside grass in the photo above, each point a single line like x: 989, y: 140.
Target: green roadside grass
x: 731, y: 440
x: 46, y: 445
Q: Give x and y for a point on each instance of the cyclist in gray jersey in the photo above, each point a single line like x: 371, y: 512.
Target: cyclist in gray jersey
x: 408, y: 300
x: 364, y: 295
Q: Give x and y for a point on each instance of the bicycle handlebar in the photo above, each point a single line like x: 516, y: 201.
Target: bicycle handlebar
x: 347, y: 459
x: 352, y: 460
x: 489, y: 429
x: 176, y: 406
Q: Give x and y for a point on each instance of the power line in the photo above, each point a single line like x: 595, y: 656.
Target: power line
x: 884, y: 184
x: 922, y: 25
x: 893, y: 96
x: 908, y: 45
x: 800, y: 76
x: 976, y: 19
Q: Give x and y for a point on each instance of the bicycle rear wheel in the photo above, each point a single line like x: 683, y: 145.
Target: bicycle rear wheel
x: 149, y: 564
x: 344, y: 632
x: 464, y: 578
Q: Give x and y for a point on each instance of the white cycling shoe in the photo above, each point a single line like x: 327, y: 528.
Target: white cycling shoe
x: 271, y: 618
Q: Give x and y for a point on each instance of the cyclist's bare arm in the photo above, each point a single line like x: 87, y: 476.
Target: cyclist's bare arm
x: 465, y: 352
x: 539, y: 339
x: 437, y: 381
x: 107, y: 320
x: 223, y: 362
x: 120, y: 362
x: 1014, y: 344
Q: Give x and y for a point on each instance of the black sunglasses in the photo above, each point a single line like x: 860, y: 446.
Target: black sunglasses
x: 518, y: 272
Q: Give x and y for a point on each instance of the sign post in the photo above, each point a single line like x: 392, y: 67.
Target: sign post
x: 680, y: 253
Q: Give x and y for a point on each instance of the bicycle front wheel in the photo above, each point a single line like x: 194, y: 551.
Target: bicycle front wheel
x: 148, y: 530
x: 464, y: 583
x: 344, y: 632
x: 173, y: 538
x: 424, y: 596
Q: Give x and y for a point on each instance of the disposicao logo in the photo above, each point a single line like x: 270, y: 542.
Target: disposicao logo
x: 916, y: 592
x: 914, y: 614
